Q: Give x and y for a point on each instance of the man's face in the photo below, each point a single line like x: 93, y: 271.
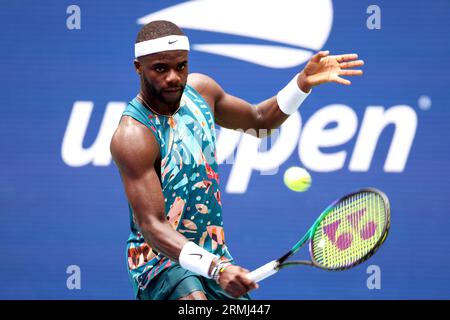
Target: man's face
x: 164, y: 75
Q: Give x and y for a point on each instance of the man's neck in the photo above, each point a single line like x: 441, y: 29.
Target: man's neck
x: 156, y: 105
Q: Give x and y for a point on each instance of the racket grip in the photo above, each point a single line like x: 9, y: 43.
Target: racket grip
x: 264, y: 271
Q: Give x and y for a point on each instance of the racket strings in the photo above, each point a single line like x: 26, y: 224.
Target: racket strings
x: 349, y: 249
x: 350, y: 231
x: 368, y: 231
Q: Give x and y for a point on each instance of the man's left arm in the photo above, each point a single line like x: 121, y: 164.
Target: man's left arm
x: 234, y: 113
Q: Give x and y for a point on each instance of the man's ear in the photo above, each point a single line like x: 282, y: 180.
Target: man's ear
x: 137, y: 66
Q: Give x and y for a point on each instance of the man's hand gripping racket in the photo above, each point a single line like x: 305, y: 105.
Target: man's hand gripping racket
x: 347, y: 233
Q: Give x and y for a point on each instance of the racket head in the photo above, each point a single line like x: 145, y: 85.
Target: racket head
x: 350, y: 230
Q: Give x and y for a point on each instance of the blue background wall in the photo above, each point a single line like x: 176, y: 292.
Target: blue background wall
x: 53, y: 215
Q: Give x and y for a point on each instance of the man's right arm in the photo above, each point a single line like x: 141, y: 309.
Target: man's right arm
x: 135, y: 150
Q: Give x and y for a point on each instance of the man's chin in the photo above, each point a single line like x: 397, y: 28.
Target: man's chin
x: 172, y: 97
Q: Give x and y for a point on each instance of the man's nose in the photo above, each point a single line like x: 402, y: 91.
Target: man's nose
x: 173, y: 78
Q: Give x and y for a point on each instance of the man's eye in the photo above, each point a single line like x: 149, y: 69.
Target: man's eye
x: 159, y: 69
x: 182, y: 66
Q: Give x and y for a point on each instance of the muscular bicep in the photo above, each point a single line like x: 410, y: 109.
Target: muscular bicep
x: 235, y: 113
x: 145, y: 196
x: 135, y: 151
x: 229, y: 111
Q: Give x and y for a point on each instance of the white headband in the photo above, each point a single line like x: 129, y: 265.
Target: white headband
x: 167, y: 43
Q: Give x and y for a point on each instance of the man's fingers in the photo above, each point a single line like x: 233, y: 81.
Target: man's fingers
x: 342, y: 81
x: 248, y: 283
x: 238, y: 288
x: 319, y: 55
x: 233, y: 292
x: 346, y: 57
x: 351, y: 64
x: 350, y: 72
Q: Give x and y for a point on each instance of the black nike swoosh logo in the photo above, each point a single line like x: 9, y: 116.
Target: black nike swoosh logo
x: 196, y: 254
x: 171, y: 42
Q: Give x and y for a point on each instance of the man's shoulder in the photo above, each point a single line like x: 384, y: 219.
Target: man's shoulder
x: 129, y: 125
x: 206, y: 86
x: 131, y: 142
x: 130, y: 132
x: 198, y: 78
x: 200, y: 82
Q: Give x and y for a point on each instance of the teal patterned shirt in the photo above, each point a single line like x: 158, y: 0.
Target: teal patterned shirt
x: 189, y: 181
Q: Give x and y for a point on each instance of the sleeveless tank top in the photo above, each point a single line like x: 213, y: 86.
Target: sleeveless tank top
x: 189, y: 182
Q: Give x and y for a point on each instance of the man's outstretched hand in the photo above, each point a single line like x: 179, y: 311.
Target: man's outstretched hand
x: 323, y: 68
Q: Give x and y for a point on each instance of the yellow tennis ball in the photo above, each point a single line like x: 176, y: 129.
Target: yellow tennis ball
x: 297, y: 179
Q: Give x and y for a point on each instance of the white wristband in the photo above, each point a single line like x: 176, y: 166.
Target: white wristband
x: 291, y: 97
x: 196, y: 259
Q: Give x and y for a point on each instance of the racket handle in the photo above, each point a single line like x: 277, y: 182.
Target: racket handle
x: 264, y: 271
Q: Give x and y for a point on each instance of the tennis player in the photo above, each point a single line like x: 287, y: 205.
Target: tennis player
x: 164, y: 148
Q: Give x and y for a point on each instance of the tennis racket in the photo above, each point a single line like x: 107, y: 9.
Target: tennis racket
x: 346, y: 234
